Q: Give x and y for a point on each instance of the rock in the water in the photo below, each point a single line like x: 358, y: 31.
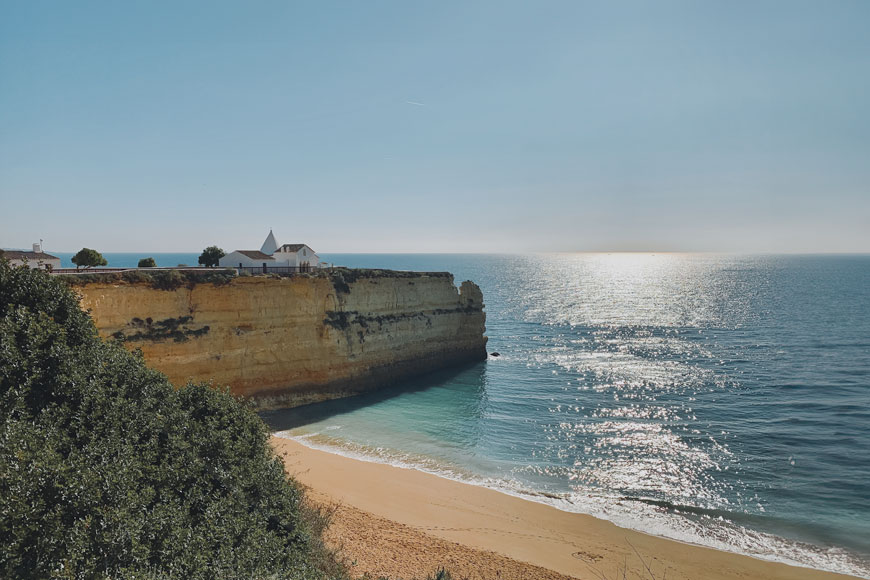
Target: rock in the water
x: 494, y: 354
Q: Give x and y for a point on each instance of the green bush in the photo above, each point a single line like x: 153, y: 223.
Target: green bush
x: 106, y: 470
x: 159, y: 279
x: 215, y: 277
x: 211, y: 256
x: 132, y: 276
x: 86, y: 258
x: 84, y: 279
x: 167, y: 279
x: 147, y: 263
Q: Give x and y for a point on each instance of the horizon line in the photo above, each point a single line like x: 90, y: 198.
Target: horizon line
x: 527, y: 252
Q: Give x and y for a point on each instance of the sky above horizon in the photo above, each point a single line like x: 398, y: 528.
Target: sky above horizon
x: 489, y: 126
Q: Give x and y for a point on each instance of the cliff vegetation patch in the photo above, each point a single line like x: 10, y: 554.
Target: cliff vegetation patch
x: 158, y: 279
x: 176, y: 329
x: 344, y: 320
x: 342, y: 278
x: 341, y: 320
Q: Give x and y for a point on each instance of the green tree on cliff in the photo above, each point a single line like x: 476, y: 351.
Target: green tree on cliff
x: 211, y: 256
x: 147, y: 263
x: 86, y: 258
x: 108, y: 471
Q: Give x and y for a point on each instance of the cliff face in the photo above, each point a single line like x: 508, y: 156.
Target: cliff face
x: 291, y: 341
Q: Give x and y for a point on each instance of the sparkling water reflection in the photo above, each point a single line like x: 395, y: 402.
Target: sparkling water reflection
x: 716, y: 399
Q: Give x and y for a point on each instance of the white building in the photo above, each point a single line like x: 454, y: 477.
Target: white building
x: 296, y: 255
x: 35, y: 259
x: 247, y: 259
x: 270, y: 255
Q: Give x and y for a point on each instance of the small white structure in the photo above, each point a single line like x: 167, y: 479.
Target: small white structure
x: 270, y: 246
x: 270, y: 255
x: 247, y: 259
x: 35, y: 259
x: 295, y: 256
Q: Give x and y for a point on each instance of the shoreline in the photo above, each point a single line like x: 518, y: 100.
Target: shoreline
x: 407, y: 502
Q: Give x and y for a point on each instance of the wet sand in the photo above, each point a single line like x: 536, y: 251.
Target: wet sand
x: 406, y: 523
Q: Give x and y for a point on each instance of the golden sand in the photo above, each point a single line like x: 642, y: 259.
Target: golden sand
x: 406, y: 523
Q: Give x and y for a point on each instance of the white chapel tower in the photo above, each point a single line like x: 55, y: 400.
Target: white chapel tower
x: 270, y: 246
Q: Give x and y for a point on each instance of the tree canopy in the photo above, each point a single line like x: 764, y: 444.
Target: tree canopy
x: 87, y: 258
x: 107, y: 470
x: 211, y: 256
x: 147, y: 263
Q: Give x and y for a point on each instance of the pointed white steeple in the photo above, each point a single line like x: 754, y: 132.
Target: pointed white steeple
x: 270, y: 246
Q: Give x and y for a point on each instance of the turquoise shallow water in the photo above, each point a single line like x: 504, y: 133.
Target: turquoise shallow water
x: 720, y: 400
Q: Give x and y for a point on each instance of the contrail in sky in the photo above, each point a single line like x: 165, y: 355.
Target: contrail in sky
x: 416, y: 103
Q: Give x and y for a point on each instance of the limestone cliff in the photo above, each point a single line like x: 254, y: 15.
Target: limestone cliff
x: 290, y: 341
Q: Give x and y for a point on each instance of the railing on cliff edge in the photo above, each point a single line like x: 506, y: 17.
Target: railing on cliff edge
x: 243, y: 270
x: 280, y: 269
x: 98, y: 270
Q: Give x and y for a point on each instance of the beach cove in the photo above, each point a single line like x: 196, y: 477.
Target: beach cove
x: 715, y: 400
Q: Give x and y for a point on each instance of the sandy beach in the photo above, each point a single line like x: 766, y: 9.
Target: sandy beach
x: 402, y: 522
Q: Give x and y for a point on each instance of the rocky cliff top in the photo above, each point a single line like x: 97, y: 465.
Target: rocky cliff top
x: 173, y: 278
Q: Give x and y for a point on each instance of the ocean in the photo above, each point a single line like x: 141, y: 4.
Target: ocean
x: 720, y: 400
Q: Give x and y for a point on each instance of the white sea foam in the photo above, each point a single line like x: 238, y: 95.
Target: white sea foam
x: 707, y: 531
x: 715, y: 400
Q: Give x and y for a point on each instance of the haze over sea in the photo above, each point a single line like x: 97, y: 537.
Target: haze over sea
x: 722, y: 400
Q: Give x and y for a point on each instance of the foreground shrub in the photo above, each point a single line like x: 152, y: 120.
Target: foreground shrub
x: 106, y: 470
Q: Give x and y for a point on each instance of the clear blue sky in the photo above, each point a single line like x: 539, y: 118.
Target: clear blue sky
x: 490, y: 126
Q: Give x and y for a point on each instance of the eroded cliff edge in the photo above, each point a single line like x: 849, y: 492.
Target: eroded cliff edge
x: 295, y: 340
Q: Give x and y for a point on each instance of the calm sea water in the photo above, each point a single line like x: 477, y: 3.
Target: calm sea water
x: 131, y: 260
x: 720, y: 400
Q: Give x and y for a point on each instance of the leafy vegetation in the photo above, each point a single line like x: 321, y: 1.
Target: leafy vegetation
x: 342, y: 277
x: 87, y: 258
x: 147, y: 263
x: 167, y: 279
x: 211, y: 256
x: 159, y: 279
x: 106, y: 470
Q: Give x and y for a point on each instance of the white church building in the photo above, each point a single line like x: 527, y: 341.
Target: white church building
x: 271, y: 255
